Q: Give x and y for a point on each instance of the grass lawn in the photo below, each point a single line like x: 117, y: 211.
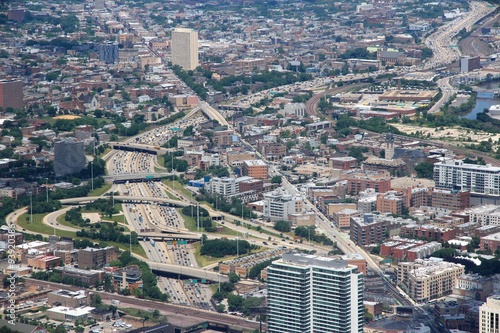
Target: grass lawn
x: 178, y: 187
x: 204, y: 260
x: 38, y: 227
x: 190, y: 224
x: 99, y: 191
x: 160, y: 159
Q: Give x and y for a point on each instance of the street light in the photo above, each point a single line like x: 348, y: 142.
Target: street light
x: 31, y: 207
x: 92, y: 173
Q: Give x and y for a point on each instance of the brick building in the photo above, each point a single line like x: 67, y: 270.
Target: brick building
x: 366, y: 231
x: 93, y: 258
x: 428, y: 232
x: 361, y: 182
x: 255, y: 168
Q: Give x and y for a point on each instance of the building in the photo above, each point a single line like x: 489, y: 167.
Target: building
x: 108, y: 52
x: 185, y: 48
x: 11, y: 94
x: 72, y: 299
x: 390, y: 202
x: 99, y: 4
x: 408, y: 95
x: 309, y: 294
x: 428, y: 279
x: 469, y: 64
x: 366, y: 230
x: 490, y: 242
x: 87, y: 277
x: 489, y: 315
x: 298, y: 109
x: 129, y: 277
x: 451, y: 200
x: 429, y: 232
x: 456, y: 175
x: 92, y: 258
x: 66, y: 314
x: 342, y: 219
x: 44, y: 262
x: 69, y: 156
x: 255, y: 168
x: 277, y: 205
x: 485, y: 215
x: 225, y: 186
x: 360, y: 182
x: 343, y: 163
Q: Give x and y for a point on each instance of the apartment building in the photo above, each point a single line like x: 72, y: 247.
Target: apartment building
x: 185, y: 48
x: 485, y: 215
x: 361, y: 182
x: 93, y: 258
x: 342, y: 219
x: 278, y: 205
x: 427, y: 279
x: 255, y: 168
x: 456, y: 175
x: 451, y: 200
x: 11, y: 94
x: 225, y: 186
x: 390, y: 202
x: 366, y: 230
x: 88, y: 277
x: 489, y: 315
x: 308, y: 293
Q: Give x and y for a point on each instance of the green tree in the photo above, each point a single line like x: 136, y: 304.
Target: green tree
x: 276, y: 180
x: 283, y: 226
x: 425, y: 170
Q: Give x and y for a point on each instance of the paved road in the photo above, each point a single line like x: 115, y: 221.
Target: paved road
x: 312, y: 103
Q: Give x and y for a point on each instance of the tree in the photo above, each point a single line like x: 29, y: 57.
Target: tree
x: 283, y: 226
x: 60, y: 329
x: 276, y: 180
x: 425, y: 170
x: 233, y: 277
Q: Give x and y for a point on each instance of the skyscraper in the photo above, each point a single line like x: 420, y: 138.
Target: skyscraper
x: 69, y: 156
x: 11, y: 94
x: 312, y: 294
x: 185, y: 48
x: 489, y: 315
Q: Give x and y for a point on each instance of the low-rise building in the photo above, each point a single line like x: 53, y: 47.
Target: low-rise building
x: 360, y: 182
x: 67, y: 298
x: 342, y: 219
x: 428, y: 279
x: 87, y: 277
x: 366, y: 230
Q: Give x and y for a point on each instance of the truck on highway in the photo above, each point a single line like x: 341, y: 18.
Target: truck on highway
x: 152, y: 242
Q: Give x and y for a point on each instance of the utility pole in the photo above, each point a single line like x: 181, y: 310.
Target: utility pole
x: 237, y: 247
x: 47, y: 189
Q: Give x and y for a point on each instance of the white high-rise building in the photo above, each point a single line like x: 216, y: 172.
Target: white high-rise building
x: 277, y: 205
x: 312, y: 294
x: 225, y: 186
x: 185, y: 48
x: 489, y: 315
x: 456, y: 175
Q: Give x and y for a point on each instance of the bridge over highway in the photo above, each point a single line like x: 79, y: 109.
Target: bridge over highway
x: 187, y: 271
x: 126, y: 198
x: 168, y: 235
x: 139, y: 177
x: 155, y: 150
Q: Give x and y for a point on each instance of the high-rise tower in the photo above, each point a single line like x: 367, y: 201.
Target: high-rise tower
x: 311, y: 294
x: 185, y: 48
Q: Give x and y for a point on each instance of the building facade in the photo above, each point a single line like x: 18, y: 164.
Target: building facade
x: 459, y: 176
x: 309, y: 294
x: 92, y: 258
x: 69, y: 156
x: 185, y: 48
x: 366, y: 230
x: 108, y: 52
x: 358, y: 183
x: 277, y: 206
x: 489, y: 315
x: 255, y: 168
x: 11, y: 94
x: 225, y: 186
x: 428, y: 279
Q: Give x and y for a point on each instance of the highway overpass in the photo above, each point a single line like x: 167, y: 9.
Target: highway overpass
x: 131, y: 199
x: 138, y: 177
x: 147, y: 149
x: 168, y: 235
x: 193, y: 272
x: 212, y: 113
